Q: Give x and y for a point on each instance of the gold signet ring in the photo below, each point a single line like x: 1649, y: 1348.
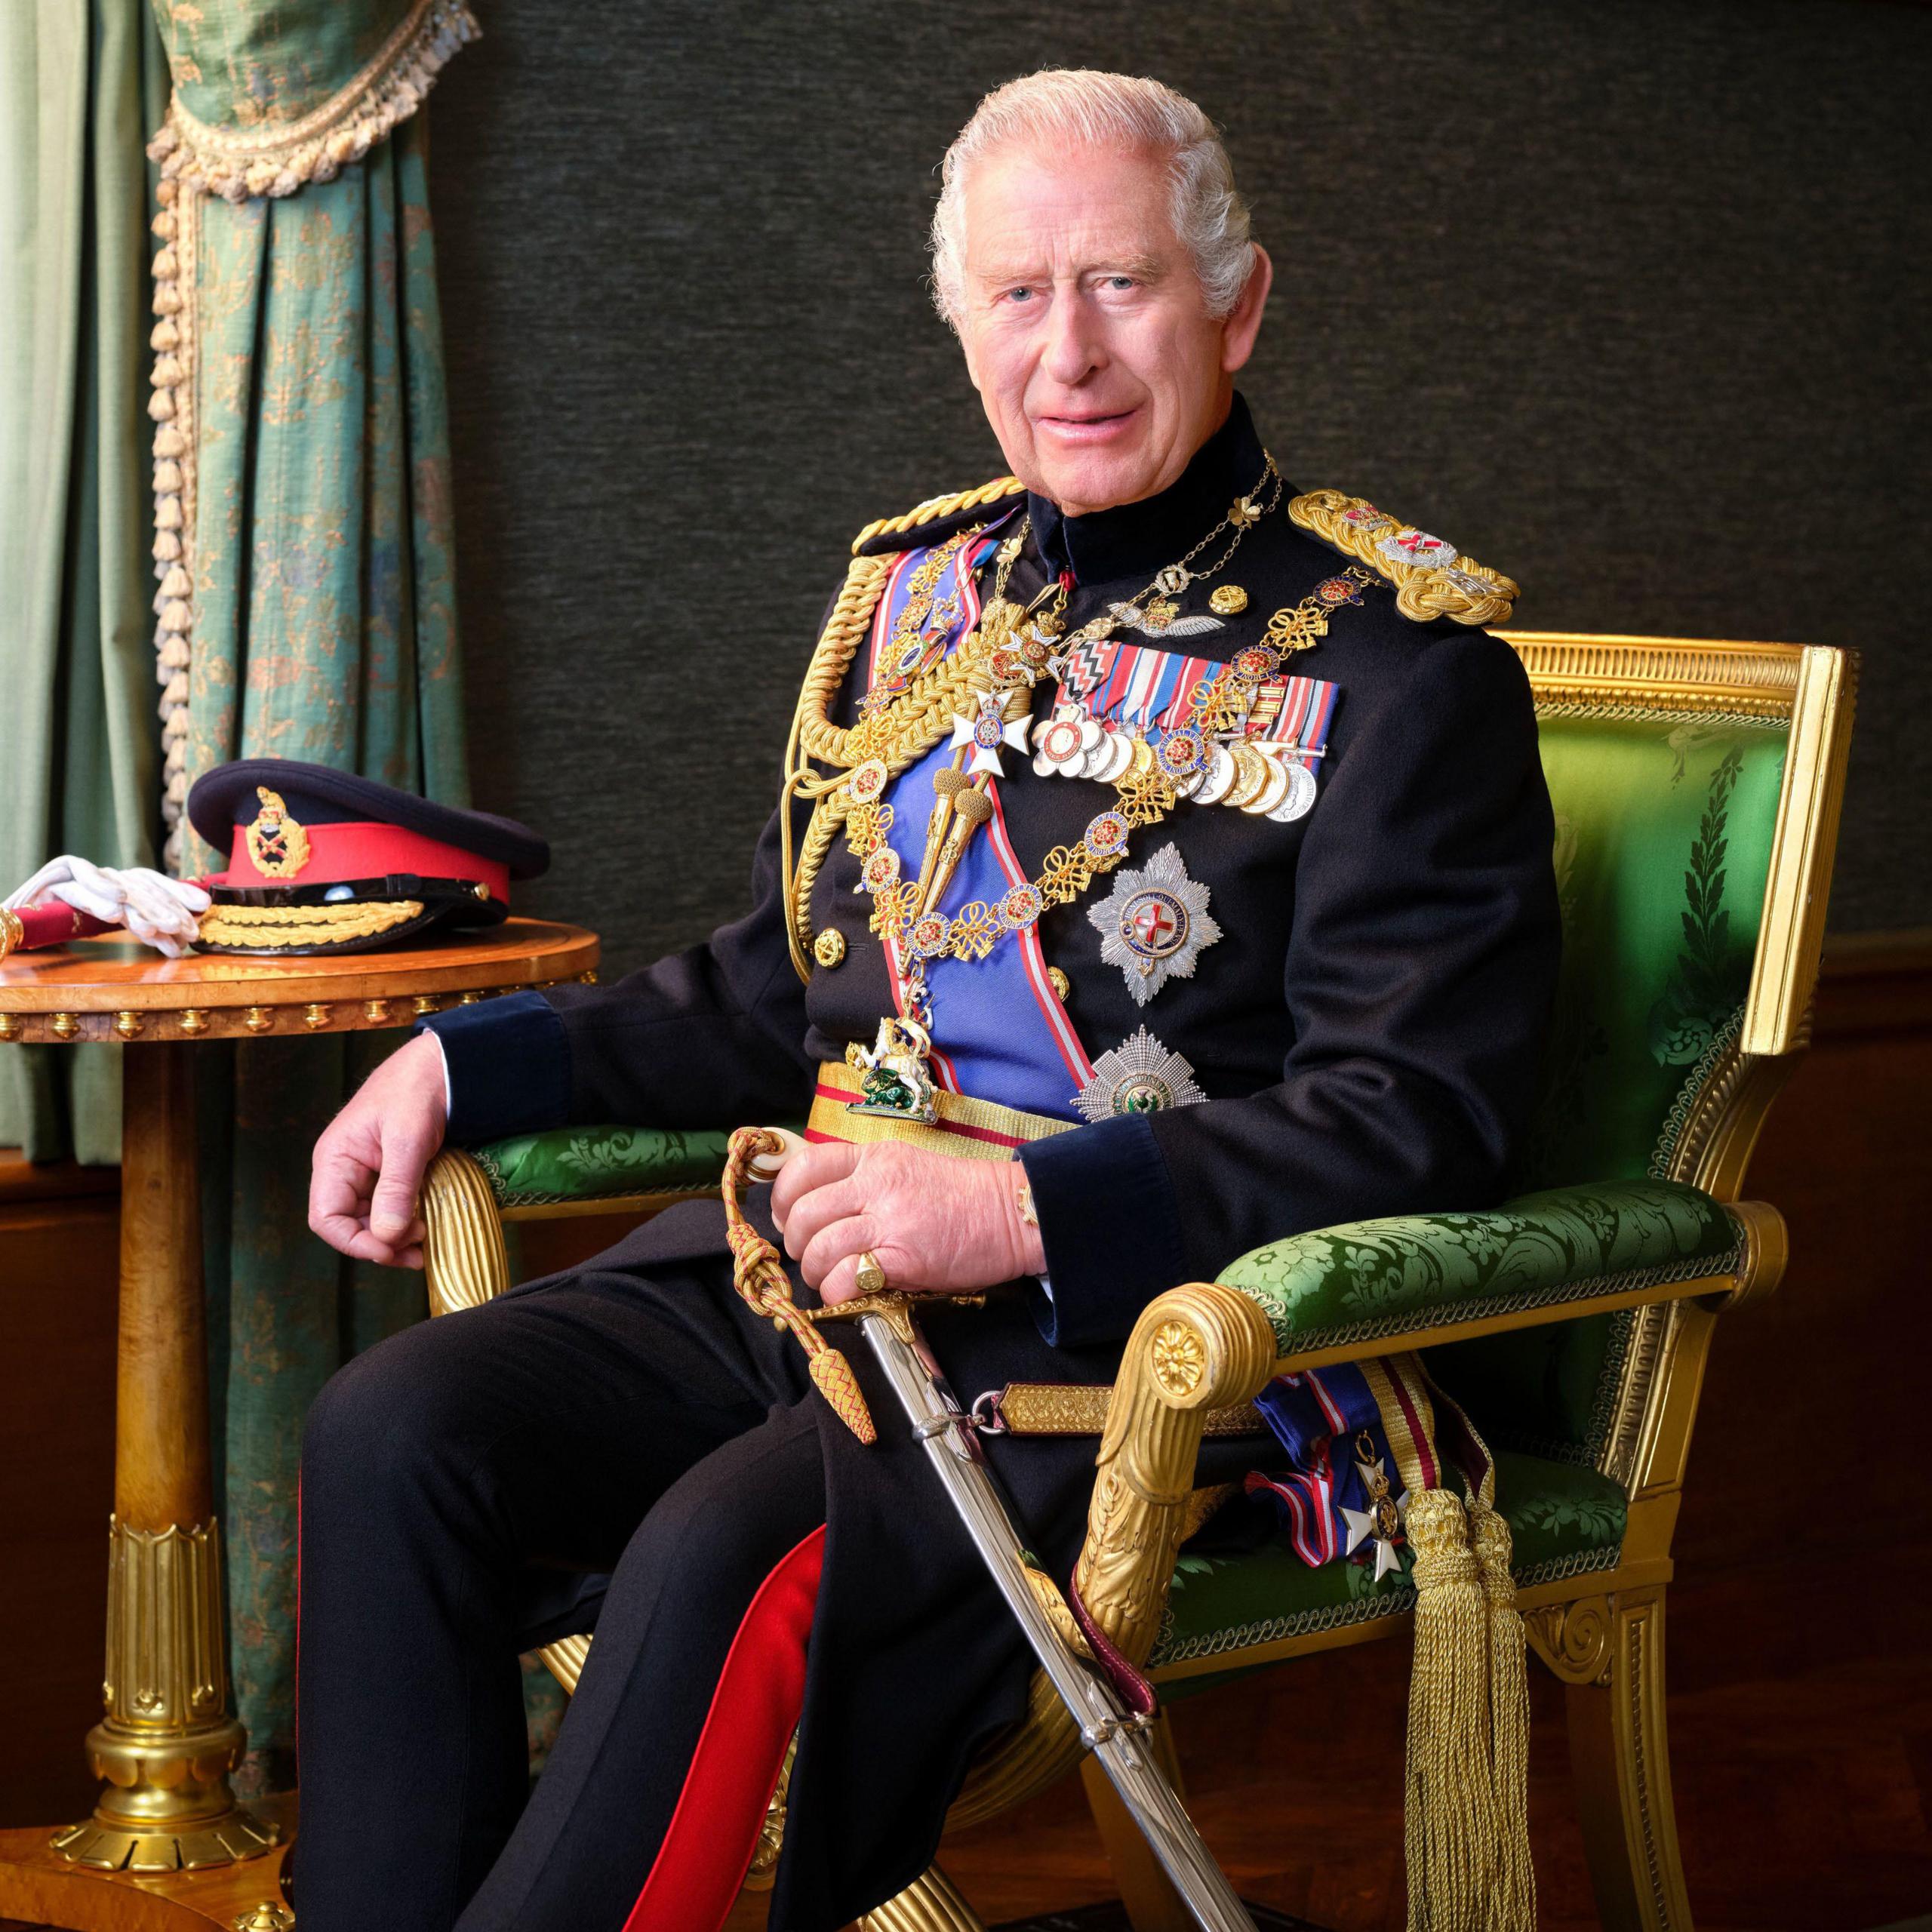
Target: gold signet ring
x: 871, y: 1276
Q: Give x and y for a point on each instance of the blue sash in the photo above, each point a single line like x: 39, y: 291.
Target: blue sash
x: 1000, y: 1032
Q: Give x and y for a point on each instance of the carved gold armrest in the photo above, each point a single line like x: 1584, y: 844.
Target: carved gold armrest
x: 1195, y: 1349
x: 465, y: 1262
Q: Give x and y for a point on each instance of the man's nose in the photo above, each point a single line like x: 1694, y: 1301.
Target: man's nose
x: 1074, y: 348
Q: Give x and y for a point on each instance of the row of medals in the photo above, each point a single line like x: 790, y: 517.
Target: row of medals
x: 1270, y: 780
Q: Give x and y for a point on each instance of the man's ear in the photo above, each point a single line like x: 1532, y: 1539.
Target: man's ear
x: 1244, y: 322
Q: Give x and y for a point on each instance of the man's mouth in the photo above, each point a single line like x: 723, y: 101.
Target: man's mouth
x: 1091, y: 426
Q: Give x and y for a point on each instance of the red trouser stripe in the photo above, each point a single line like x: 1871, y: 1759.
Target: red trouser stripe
x: 707, y: 1846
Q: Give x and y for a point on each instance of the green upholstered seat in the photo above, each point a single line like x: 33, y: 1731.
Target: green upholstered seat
x: 1563, y: 1520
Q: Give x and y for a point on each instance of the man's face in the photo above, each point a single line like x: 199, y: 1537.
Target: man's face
x: 1084, y: 327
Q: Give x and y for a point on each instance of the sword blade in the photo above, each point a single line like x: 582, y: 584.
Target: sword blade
x: 1106, y: 1728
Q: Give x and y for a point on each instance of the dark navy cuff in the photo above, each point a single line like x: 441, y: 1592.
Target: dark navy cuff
x: 1110, y: 1225
x: 510, y: 1067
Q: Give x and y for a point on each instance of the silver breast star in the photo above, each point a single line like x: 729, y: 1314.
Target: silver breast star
x: 1139, y: 1076
x: 1154, y: 923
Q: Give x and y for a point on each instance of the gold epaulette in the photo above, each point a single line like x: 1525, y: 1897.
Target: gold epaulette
x: 934, y: 508
x: 1432, y: 579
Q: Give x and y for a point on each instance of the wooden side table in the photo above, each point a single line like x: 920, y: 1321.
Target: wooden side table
x: 163, y: 1849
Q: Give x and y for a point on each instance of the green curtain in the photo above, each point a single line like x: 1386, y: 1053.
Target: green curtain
x: 80, y: 85
x: 308, y: 612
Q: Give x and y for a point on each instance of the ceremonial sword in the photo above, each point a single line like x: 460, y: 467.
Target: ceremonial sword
x: 1115, y: 1736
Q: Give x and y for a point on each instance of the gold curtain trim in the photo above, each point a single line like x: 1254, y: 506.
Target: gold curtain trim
x: 276, y: 161
x: 177, y: 227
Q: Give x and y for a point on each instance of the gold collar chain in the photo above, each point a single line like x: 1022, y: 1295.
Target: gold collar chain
x: 1007, y: 651
x: 906, y: 910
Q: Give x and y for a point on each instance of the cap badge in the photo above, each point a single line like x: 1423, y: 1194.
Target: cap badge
x: 1139, y: 1076
x: 1154, y: 923
x: 277, y: 843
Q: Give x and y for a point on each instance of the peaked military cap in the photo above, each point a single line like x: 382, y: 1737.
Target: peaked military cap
x: 324, y: 861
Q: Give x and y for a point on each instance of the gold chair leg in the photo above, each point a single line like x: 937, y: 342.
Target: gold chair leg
x: 1609, y: 1650
x: 1152, y: 1904
x: 931, y: 1903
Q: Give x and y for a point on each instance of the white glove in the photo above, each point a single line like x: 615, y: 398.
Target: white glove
x: 158, y: 910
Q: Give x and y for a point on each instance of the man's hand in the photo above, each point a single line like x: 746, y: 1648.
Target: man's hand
x: 935, y: 1225
x: 368, y: 1164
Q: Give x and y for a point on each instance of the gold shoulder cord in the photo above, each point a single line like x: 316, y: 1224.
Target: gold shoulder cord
x: 1432, y: 579
x: 927, y: 708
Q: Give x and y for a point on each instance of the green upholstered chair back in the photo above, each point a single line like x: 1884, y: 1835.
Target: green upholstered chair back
x: 1664, y: 827
x: 1668, y: 791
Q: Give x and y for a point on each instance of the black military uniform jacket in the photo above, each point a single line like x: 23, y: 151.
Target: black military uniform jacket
x: 1366, y: 1030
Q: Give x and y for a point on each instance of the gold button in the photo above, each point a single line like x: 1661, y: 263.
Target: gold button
x: 829, y: 949
x: 1228, y: 600
x: 1062, y: 984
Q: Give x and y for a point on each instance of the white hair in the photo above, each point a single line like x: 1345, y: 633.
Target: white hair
x: 1063, y: 106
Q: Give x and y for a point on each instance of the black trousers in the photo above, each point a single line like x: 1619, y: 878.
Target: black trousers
x: 626, y: 1448
x: 458, y: 1481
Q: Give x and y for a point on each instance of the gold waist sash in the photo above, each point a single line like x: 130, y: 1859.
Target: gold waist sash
x: 969, y: 1129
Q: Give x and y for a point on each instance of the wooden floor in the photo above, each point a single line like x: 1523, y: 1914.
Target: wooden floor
x: 1802, y: 1754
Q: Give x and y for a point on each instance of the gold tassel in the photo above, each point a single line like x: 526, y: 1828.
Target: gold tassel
x: 1449, y: 1809
x: 833, y: 1374
x: 759, y: 1277
x: 1512, y: 1906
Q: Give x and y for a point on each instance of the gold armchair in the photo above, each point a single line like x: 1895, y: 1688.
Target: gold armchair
x: 1575, y: 1320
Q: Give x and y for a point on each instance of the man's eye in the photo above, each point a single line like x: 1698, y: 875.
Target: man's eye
x: 1122, y: 281
x: 1018, y: 295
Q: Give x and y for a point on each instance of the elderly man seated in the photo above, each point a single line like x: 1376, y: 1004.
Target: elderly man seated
x: 1149, y: 821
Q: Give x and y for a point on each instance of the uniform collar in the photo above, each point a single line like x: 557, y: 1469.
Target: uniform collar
x: 1136, y: 540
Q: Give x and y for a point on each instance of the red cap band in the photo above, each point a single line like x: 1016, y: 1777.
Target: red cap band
x: 366, y: 850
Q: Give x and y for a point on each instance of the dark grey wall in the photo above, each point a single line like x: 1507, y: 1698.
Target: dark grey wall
x: 1630, y: 301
